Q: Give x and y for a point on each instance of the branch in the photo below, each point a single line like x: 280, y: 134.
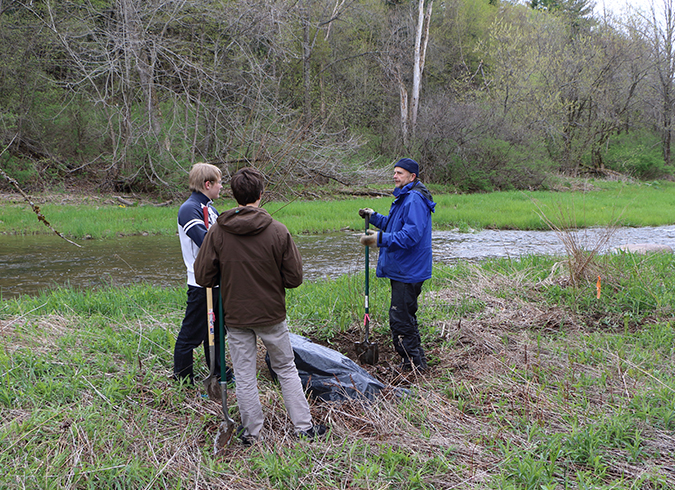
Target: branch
x: 35, y: 207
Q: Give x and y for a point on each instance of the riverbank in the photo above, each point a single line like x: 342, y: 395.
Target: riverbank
x: 534, y: 383
x: 596, y: 203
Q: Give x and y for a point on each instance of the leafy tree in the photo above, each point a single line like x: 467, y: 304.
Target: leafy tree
x: 574, y: 94
x: 576, y: 13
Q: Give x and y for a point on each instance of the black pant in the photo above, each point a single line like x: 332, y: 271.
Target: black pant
x: 403, y: 322
x: 193, y: 332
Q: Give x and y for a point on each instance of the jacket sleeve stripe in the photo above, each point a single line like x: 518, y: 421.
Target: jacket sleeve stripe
x: 192, y: 223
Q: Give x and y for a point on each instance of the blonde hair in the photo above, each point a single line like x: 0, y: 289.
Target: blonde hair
x: 201, y: 173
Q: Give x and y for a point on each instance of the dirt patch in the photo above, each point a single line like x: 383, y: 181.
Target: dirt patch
x: 87, y: 196
x: 83, y: 198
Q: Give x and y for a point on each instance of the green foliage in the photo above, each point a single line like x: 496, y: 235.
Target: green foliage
x: 23, y: 172
x: 497, y: 165
x: 501, y: 82
x: 456, y: 30
x: 637, y: 154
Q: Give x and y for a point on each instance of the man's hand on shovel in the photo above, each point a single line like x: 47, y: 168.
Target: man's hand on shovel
x: 369, y: 238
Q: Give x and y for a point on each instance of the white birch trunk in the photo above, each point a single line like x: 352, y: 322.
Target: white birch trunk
x: 133, y: 33
x: 404, y: 105
x: 421, y: 42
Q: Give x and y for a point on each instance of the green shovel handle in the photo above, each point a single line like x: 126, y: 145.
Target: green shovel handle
x: 366, y: 320
x: 221, y: 333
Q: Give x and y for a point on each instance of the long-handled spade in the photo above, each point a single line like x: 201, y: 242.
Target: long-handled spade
x: 211, y: 382
x: 368, y: 352
x: 226, y: 429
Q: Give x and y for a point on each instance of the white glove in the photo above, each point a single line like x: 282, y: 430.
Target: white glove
x: 369, y: 238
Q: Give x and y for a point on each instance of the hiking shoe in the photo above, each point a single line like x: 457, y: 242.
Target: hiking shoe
x: 407, y: 367
x: 314, y: 432
x: 246, y: 439
x: 404, y: 367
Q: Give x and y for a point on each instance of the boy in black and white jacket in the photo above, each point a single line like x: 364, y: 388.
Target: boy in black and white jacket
x: 204, y: 180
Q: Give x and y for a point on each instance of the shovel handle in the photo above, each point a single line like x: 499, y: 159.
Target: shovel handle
x: 210, y: 315
x: 366, y: 319
x: 211, y: 319
x: 223, y: 366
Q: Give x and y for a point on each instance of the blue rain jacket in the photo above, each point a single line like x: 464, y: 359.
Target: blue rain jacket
x: 405, y: 238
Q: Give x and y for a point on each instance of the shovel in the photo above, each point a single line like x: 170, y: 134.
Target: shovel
x: 367, y: 352
x: 211, y: 382
x: 226, y: 429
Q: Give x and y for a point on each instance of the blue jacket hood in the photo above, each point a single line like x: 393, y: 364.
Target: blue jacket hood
x: 417, y: 186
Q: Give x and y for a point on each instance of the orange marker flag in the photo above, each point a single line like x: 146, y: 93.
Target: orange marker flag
x: 597, y: 286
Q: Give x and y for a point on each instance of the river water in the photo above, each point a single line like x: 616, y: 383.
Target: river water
x: 29, y: 264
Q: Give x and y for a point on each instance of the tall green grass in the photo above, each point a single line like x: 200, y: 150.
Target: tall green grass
x: 642, y: 204
x: 129, y: 302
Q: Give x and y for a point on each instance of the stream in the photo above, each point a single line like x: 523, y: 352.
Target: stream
x: 32, y: 263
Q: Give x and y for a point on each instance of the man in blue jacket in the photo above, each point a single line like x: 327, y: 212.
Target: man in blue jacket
x: 405, y: 257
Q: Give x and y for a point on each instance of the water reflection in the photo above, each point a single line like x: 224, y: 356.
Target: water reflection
x: 32, y: 263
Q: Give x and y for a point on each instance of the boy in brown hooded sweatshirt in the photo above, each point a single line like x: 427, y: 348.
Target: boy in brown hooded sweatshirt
x: 256, y: 259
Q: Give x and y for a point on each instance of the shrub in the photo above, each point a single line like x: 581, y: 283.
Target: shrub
x: 23, y: 171
x: 637, y: 154
x: 466, y: 145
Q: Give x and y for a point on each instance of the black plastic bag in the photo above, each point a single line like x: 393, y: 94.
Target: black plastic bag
x: 328, y: 375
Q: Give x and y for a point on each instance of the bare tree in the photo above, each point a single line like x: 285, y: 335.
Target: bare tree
x: 399, y: 56
x: 658, y: 28
x: 421, y: 43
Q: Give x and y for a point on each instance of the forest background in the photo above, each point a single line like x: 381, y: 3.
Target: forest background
x: 124, y: 95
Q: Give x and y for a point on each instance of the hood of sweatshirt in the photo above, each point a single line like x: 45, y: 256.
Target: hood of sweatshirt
x: 245, y: 220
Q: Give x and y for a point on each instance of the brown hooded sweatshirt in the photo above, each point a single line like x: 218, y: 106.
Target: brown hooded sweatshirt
x: 255, y: 259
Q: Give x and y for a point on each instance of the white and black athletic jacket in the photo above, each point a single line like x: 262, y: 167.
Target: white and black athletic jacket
x: 191, y: 229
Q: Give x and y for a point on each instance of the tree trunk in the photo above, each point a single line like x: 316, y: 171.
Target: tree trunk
x: 404, y: 105
x: 144, y: 61
x: 663, y: 50
x: 306, y: 72
x: 421, y: 42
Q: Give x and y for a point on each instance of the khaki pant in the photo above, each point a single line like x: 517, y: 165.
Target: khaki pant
x: 243, y: 349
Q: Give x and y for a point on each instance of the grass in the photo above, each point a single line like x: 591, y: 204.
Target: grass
x: 535, y: 383
x: 597, y: 204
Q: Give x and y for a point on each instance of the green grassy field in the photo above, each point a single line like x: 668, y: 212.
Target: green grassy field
x: 602, y: 203
x: 536, y: 382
